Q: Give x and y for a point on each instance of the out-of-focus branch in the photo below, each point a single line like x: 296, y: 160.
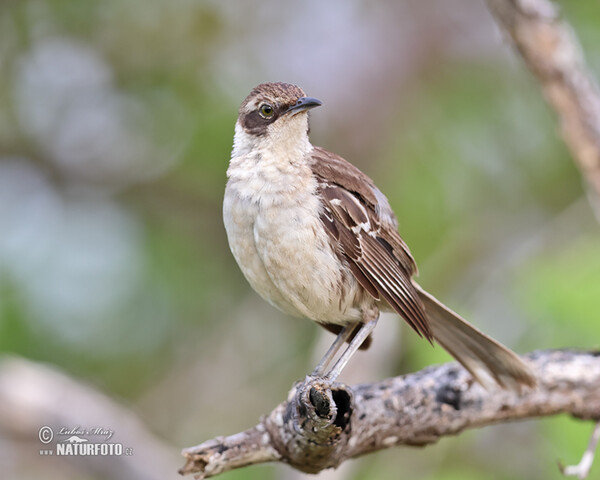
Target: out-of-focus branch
x: 35, y: 396
x: 322, y: 425
x: 553, y: 54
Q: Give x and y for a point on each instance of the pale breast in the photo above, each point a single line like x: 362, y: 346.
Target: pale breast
x: 298, y: 257
x: 239, y: 215
x: 278, y: 240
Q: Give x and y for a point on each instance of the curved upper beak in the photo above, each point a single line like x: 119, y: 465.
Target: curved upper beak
x: 303, y: 104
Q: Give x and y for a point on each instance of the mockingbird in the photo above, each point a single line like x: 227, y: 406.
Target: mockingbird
x: 316, y: 238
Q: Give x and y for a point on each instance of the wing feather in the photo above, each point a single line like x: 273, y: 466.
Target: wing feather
x: 362, y: 227
x: 398, y: 285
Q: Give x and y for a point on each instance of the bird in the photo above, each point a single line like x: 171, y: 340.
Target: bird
x: 316, y: 238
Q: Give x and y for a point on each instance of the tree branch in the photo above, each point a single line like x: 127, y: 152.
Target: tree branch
x: 321, y: 425
x: 553, y: 54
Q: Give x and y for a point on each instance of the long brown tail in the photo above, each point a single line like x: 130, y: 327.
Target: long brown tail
x: 482, y: 356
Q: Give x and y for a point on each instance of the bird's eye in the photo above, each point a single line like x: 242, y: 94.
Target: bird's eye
x: 266, y: 110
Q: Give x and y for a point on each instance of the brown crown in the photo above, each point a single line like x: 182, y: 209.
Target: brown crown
x: 282, y: 94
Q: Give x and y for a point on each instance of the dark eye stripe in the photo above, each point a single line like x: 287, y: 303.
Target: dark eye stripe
x: 256, y: 124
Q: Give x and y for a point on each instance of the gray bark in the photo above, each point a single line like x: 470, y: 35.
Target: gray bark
x: 321, y: 425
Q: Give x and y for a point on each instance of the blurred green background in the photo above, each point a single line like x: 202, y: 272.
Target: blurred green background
x: 116, y: 124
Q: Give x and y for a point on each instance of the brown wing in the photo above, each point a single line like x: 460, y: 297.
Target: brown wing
x: 360, y: 222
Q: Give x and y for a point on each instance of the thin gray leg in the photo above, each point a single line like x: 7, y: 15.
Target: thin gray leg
x: 365, y: 330
x: 335, y: 347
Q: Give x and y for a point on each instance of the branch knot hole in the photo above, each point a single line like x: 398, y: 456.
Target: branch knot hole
x: 324, y: 407
x: 331, y: 402
x: 449, y: 394
x: 343, y: 399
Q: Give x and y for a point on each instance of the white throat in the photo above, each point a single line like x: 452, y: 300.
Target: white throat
x: 272, y: 168
x: 286, y: 138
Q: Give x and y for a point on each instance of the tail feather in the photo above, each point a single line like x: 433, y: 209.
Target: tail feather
x: 482, y: 356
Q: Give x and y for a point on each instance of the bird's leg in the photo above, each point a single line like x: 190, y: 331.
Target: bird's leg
x: 370, y: 318
x: 342, y: 337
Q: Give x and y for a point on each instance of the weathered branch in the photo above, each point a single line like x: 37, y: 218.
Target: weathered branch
x: 553, y: 54
x: 321, y: 425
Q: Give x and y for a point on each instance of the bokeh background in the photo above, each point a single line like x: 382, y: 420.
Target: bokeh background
x: 120, y: 303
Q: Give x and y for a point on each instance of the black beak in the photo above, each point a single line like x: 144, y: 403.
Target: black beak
x: 303, y: 104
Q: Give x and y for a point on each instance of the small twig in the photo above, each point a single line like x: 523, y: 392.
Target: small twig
x: 321, y: 425
x: 582, y: 469
x: 552, y: 52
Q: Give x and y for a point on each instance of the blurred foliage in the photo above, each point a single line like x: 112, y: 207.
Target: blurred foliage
x: 116, y: 123
x: 563, y: 290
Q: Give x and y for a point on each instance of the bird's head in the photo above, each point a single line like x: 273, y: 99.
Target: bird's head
x: 275, y: 112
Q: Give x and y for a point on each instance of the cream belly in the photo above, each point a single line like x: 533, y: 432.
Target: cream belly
x: 283, y: 250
